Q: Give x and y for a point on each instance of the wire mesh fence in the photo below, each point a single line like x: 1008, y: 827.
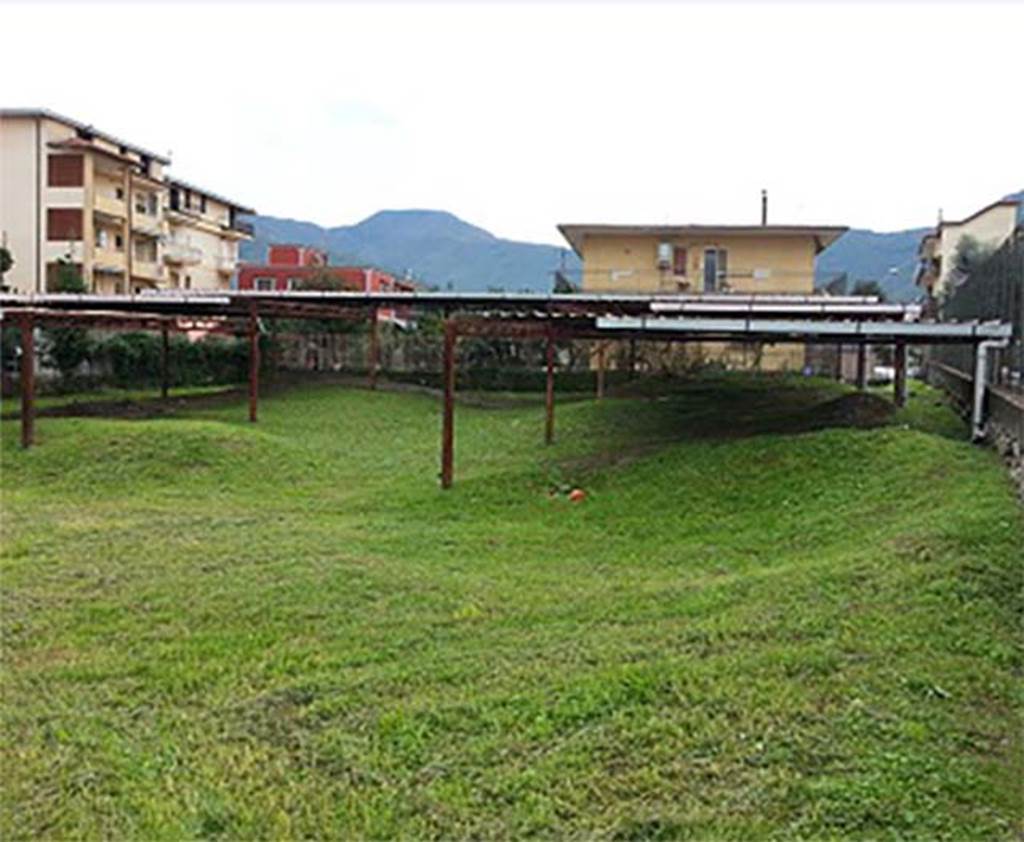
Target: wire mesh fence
x: 992, y: 290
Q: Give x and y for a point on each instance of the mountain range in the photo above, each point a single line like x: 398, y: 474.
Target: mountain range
x: 440, y: 250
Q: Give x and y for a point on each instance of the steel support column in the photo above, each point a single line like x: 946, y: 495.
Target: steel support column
x: 374, y: 361
x: 862, y: 366
x: 164, y: 354
x: 600, y: 370
x: 254, y: 363
x: 549, y: 393
x: 448, y: 407
x: 28, y: 382
x: 899, y: 380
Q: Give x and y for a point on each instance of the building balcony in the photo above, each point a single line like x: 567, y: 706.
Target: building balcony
x: 226, y: 265
x: 241, y: 229
x: 108, y: 260
x: 109, y: 205
x: 151, y: 225
x: 182, y: 254
x: 149, y: 270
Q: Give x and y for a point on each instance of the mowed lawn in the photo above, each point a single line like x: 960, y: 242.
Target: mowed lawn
x: 748, y: 629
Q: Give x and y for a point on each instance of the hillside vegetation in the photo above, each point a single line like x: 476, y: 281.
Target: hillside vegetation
x: 749, y: 628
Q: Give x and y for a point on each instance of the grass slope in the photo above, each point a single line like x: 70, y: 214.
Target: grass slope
x: 214, y: 629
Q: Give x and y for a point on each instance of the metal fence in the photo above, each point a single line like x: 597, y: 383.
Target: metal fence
x: 992, y: 290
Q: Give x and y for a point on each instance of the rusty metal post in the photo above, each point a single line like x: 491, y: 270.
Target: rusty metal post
x: 374, y: 361
x: 28, y: 382
x: 164, y: 354
x: 839, y: 362
x: 448, y: 409
x: 862, y: 366
x: 899, y: 380
x: 600, y: 370
x: 254, y: 363
x: 549, y: 393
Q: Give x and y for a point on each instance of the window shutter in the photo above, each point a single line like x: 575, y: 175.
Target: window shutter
x: 65, y: 171
x: 679, y: 260
x: 63, y: 223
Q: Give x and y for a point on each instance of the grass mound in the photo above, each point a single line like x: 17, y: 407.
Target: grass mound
x: 745, y: 630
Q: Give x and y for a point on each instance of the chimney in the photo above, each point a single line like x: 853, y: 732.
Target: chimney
x: 764, y: 207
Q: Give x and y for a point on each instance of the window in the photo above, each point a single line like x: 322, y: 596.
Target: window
x: 102, y: 238
x: 145, y: 250
x: 119, y: 193
x: 153, y: 204
x: 716, y: 269
x: 65, y: 171
x: 119, y: 242
x: 294, y: 283
x: 263, y: 284
x: 140, y: 202
x: 63, y: 224
x: 202, y: 204
x: 679, y: 261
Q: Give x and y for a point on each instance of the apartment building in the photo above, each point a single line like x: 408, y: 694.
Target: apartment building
x: 711, y: 259
x: 70, y: 192
x: 990, y: 227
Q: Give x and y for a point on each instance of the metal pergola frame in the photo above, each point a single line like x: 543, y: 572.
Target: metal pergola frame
x: 802, y: 319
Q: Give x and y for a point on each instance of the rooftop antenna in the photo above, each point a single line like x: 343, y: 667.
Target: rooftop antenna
x: 764, y: 207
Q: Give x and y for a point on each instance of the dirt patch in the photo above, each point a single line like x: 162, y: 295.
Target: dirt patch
x: 854, y: 410
x: 139, y: 408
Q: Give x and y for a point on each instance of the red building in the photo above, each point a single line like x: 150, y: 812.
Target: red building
x: 288, y: 265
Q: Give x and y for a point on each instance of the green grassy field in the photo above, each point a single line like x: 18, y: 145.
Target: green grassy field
x: 750, y: 628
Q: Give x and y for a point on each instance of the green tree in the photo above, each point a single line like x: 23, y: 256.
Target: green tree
x: 869, y: 288
x: 6, y: 262
x: 66, y: 348
x: 970, y: 254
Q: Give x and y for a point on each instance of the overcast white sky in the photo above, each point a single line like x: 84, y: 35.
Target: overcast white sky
x: 517, y: 117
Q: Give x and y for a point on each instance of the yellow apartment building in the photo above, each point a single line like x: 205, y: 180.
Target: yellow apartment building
x: 71, y: 192
x: 699, y: 259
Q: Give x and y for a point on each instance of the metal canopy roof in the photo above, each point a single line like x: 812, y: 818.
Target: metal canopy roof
x: 774, y: 318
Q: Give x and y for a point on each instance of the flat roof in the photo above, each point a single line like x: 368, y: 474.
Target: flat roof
x: 173, y: 181
x: 824, y: 235
x: 47, y: 114
x: 1009, y: 201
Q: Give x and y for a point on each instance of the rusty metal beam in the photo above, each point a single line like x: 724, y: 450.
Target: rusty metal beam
x: 164, y: 355
x: 899, y: 380
x: 451, y: 336
x: 862, y: 366
x: 600, y: 370
x: 254, y: 363
x: 549, y: 391
x: 374, y: 360
x: 28, y: 381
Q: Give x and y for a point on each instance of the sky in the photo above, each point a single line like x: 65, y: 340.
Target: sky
x: 517, y: 117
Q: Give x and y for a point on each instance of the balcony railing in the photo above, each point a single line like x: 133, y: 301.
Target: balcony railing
x: 246, y: 228
x: 183, y: 253
x: 226, y: 264
x: 110, y: 205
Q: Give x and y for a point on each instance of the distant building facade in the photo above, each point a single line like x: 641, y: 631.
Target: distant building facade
x: 721, y: 259
x: 72, y: 193
x: 289, y: 265
x: 989, y: 227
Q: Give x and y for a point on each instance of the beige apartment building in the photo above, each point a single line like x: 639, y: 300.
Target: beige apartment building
x: 991, y: 226
x: 705, y: 259
x: 71, y: 192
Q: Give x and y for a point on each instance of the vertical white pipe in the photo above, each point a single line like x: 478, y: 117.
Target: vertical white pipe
x: 980, y: 372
